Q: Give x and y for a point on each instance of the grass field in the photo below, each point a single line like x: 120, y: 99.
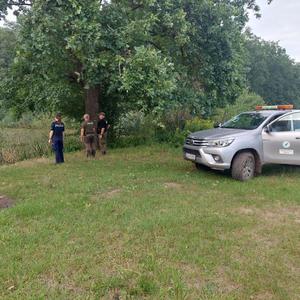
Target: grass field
x: 142, y: 223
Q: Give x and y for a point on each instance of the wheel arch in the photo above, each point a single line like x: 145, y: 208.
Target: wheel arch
x: 258, y: 161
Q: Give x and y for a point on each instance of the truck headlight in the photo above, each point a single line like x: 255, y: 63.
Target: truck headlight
x: 220, y: 143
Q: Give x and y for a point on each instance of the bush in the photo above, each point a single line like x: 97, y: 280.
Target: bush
x: 186, y: 124
x: 197, y: 124
x: 135, y: 128
x: 246, y: 102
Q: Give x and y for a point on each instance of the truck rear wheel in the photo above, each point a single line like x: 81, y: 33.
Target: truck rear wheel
x: 243, y: 166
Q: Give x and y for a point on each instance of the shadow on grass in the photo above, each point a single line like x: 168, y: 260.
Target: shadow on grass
x: 272, y: 170
x: 268, y: 171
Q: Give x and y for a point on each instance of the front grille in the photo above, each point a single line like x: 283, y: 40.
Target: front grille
x: 191, y: 151
x: 197, y: 142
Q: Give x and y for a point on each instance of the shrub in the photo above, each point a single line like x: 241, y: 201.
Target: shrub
x: 247, y: 101
x: 197, y: 124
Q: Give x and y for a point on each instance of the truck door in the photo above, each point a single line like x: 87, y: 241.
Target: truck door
x: 281, y: 143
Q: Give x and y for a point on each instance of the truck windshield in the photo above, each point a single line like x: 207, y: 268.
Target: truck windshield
x: 247, y: 121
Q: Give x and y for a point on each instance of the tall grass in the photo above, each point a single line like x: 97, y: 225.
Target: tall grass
x: 27, y: 137
x: 18, y: 144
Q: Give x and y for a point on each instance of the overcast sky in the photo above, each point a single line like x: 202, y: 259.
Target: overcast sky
x: 280, y: 22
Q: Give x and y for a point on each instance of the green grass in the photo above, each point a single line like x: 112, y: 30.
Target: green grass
x: 143, y: 223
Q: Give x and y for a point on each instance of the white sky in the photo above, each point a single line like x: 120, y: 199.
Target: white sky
x: 280, y: 22
x: 10, y: 17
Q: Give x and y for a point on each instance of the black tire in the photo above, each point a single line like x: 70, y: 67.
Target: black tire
x: 243, y: 166
x: 200, y: 167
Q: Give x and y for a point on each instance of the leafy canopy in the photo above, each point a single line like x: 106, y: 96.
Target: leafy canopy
x: 141, y: 54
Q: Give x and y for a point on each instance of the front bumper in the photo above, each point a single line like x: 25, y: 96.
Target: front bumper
x: 206, y: 156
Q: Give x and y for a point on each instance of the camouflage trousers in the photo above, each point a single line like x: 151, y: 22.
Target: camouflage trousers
x: 102, y: 143
x: 90, y: 145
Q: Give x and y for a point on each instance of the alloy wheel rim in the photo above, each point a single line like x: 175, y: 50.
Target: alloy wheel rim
x: 248, y: 168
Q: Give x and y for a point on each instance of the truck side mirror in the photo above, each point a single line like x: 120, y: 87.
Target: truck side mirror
x: 217, y: 125
x: 268, y: 129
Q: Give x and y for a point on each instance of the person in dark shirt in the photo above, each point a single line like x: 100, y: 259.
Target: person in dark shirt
x: 56, y: 138
x: 88, y: 135
x: 102, y: 128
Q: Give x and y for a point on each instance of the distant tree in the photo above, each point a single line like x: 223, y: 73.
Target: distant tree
x: 7, y: 53
x: 7, y: 47
x: 272, y: 74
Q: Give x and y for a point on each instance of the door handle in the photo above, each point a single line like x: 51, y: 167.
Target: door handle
x: 297, y: 138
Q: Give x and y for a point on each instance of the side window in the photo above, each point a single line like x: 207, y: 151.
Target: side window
x: 296, y: 121
x: 288, y: 123
x: 282, y: 125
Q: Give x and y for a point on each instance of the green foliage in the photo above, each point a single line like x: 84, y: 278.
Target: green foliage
x: 7, y: 53
x: 272, y: 74
x: 197, y: 124
x: 133, y: 129
x: 147, y: 79
x: 246, y: 102
x: 142, y: 54
x: 136, y: 128
x: 7, y: 47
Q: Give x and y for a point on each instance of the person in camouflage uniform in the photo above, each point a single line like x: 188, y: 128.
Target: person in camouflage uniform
x: 88, y: 136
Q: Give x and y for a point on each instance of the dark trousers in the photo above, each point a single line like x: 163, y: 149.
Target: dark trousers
x: 58, y: 148
x: 90, y: 145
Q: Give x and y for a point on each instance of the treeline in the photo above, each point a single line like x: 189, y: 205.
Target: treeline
x: 153, y: 57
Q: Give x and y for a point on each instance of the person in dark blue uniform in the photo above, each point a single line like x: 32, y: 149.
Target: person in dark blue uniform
x: 56, y: 138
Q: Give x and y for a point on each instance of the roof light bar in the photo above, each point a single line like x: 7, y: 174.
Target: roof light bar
x: 275, y: 107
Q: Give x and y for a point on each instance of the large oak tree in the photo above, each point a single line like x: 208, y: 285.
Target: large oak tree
x: 140, y: 52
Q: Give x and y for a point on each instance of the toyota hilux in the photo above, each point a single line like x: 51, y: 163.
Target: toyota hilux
x: 267, y: 135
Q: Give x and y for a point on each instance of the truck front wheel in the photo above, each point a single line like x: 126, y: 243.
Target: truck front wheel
x: 243, y: 166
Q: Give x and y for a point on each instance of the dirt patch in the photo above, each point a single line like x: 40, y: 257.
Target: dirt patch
x: 173, y: 185
x: 263, y: 296
x: 53, y: 284
x: 107, y: 194
x: 245, y: 211
x: 6, y: 202
x: 224, y: 282
x: 277, y: 215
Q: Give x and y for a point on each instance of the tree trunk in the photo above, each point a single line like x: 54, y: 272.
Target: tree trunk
x: 92, y: 95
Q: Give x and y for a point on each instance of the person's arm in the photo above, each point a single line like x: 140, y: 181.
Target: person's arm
x: 51, y: 133
x: 50, y: 136
x: 63, y: 134
x: 103, y: 129
x: 81, y: 134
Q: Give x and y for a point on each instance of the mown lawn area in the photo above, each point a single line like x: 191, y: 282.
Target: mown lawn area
x: 142, y: 223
